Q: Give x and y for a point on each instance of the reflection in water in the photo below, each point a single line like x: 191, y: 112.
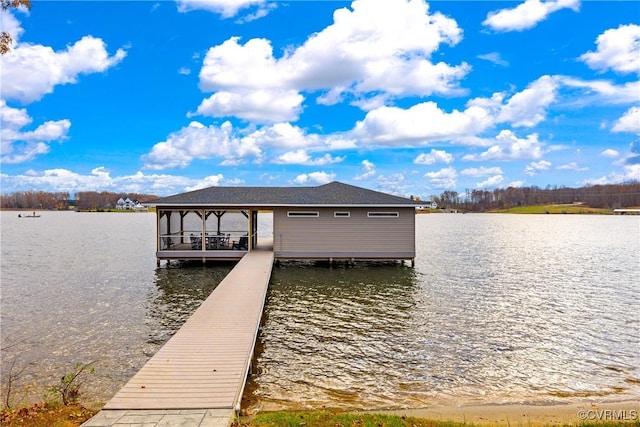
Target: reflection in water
x: 499, y: 309
x: 180, y: 291
x: 327, y: 333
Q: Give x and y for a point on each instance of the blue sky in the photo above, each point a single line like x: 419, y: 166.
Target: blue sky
x: 404, y: 96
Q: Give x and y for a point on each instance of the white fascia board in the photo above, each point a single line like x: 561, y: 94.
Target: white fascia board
x: 288, y: 205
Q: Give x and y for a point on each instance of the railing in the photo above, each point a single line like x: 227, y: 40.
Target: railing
x: 193, y: 240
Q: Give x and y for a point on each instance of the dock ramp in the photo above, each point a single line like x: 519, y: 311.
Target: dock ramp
x: 206, y: 363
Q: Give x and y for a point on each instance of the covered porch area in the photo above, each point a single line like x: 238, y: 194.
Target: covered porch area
x: 211, y: 233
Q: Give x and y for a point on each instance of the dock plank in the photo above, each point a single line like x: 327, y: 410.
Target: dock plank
x: 205, y: 364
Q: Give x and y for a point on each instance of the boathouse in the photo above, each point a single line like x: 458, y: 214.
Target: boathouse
x: 334, y: 221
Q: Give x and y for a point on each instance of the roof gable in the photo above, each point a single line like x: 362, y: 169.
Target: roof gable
x: 331, y: 194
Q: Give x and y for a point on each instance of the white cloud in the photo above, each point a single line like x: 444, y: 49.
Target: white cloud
x: 46, y: 68
x: 197, y: 141
x: 301, y: 157
x: 13, y: 118
x: 317, y: 178
x: 618, y: 50
x: 339, y: 142
x: 283, y: 135
x: 602, y: 91
x: 327, y: 159
x: 380, y: 45
x: 418, y: 125
x: 234, y: 146
x: 100, y: 179
x: 366, y: 103
x: 527, y: 15
x: 18, y: 145
x: 491, y: 182
x: 573, y: 166
x: 495, y: 58
x: 12, y: 26
x: 226, y: 8
x: 393, y: 184
x: 528, y: 107
x: 185, y: 71
x: 611, y: 153
x: 377, y: 50
x: 262, y: 11
x: 444, y: 178
x: 23, y: 154
x: 368, y: 170
x: 481, y: 171
x: 629, y: 173
x: 231, y: 66
x: 207, y: 181
x: 435, y: 156
x: 509, y: 147
x: 536, y: 167
x: 629, y: 122
x: 65, y: 180
x: 294, y: 157
x: 261, y: 106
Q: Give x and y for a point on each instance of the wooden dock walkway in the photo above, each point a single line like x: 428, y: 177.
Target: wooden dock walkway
x: 205, y: 364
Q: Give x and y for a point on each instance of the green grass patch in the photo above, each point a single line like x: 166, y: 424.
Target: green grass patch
x: 556, y: 209
x: 338, y: 419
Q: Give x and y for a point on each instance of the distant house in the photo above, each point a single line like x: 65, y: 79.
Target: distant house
x: 327, y: 222
x: 127, y: 204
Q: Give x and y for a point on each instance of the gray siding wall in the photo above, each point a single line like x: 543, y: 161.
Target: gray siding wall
x: 356, y: 236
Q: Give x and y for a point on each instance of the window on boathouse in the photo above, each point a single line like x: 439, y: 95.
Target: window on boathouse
x: 383, y: 214
x: 303, y: 214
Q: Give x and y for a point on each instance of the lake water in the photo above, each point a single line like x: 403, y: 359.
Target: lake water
x: 498, y: 309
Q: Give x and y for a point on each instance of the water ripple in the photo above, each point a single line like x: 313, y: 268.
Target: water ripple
x: 498, y: 309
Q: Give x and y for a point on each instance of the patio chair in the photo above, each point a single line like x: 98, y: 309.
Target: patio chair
x: 167, y: 243
x: 196, y: 242
x: 242, y: 244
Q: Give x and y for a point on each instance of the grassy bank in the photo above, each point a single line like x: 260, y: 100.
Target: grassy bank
x: 57, y: 415
x: 336, y: 419
x: 556, y: 209
x: 345, y: 419
x: 46, y: 414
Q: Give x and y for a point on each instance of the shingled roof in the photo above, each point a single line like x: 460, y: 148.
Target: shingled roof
x: 332, y: 194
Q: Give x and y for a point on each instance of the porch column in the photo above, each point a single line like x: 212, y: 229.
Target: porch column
x: 253, y: 229
x: 204, y: 229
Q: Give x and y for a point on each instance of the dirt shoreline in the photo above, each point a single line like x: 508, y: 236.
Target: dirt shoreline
x: 520, y: 414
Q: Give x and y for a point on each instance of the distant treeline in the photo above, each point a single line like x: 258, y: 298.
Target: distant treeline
x: 85, y: 200
x: 598, y: 196
x: 612, y: 196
